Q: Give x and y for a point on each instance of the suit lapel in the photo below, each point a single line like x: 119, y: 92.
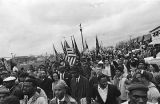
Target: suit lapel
x: 109, y: 92
x: 101, y: 100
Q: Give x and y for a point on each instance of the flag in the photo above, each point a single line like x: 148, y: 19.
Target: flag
x: 86, y: 50
x: 64, y: 49
x: 66, y: 45
x: 56, y: 53
x: 70, y: 56
x: 86, y: 44
x: 76, y: 48
x: 97, y: 46
x: 73, y: 46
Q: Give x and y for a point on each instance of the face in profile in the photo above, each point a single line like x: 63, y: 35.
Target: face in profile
x: 151, y: 68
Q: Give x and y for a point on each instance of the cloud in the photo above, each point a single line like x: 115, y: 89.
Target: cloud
x: 31, y: 26
x: 135, y: 21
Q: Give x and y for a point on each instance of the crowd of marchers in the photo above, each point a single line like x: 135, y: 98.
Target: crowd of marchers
x: 114, y: 78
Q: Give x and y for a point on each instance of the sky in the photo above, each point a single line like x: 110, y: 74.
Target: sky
x: 30, y: 27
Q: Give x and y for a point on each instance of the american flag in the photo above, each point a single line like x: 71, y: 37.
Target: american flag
x: 70, y: 56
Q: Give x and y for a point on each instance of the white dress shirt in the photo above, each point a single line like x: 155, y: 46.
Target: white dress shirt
x: 60, y: 100
x: 103, y: 93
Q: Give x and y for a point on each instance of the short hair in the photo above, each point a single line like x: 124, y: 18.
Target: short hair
x: 141, y: 61
x: 133, y: 64
x: 57, y: 74
x: 23, y: 74
x: 102, y: 76
x: 32, y: 80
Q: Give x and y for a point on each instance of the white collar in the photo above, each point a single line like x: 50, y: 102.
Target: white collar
x: 103, y: 93
x: 101, y: 88
x: 63, y: 99
x: 78, y: 78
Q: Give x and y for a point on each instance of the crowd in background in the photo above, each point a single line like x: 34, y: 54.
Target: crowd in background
x: 117, y: 76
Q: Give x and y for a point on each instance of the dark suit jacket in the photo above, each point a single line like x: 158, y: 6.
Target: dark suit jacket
x: 113, y: 93
x: 67, y: 78
x: 46, y: 85
x: 112, y: 71
x: 17, y: 91
x: 80, y: 90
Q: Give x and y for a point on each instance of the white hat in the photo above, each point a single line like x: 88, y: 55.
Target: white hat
x: 9, y: 79
x: 100, y: 62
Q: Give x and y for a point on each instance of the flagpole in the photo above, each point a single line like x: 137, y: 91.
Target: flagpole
x: 81, y: 36
x: 53, y: 48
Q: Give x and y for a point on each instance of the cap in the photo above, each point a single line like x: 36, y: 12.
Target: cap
x: 137, y: 86
x: 9, y: 79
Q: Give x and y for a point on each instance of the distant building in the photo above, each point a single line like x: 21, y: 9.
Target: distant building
x: 155, y: 33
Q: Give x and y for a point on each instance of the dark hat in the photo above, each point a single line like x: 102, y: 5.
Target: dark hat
x: 137, y: 86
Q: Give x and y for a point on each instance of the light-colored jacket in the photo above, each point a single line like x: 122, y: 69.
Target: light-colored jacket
x: 127, y: 102
x: 120, y: 83
x: 68, y: 100
x: 153, y: 93
x: 35, y: 99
